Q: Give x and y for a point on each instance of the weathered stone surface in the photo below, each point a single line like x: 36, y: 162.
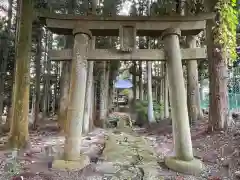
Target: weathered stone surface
x: 193, y: 167
x: 71, y: 165
x: 178, y: 99
x: 138, y: 54
x: 75, y: 112
x: 145, y: 26
x: 93, y: 151
x: 119, y: 120
x: 127, y: 38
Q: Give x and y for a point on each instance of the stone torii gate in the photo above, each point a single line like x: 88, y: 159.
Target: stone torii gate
x: 127, y: 28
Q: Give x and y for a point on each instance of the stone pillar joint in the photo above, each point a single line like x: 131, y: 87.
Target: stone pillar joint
x: 79, y: 30
x: 171, y: 31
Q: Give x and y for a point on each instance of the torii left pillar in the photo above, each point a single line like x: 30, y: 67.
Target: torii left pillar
x: 75, y: 113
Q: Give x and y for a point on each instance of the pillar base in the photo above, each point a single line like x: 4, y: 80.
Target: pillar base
x: 71, y: 165
x: 193, y: 167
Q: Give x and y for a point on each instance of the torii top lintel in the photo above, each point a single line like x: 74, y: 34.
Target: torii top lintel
x: 110, y: 26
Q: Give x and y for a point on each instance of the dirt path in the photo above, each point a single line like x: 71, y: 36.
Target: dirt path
x: 131, y: 156
x: 136, y: 154
x: 126, y: 155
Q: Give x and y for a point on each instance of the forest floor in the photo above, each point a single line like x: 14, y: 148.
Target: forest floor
x: 126, y: 154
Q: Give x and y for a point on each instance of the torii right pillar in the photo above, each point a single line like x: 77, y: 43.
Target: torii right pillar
x: 183, y: 160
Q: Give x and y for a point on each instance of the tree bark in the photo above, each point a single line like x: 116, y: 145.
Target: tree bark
x: 140, y: 81
x: 54, y: 98
x: 88, y: 98
x: 32, y: 112
x: 218, y: 96
x: 201, y: 82
x: 107, y: 88
x: 6, y: 45
x: 38, y: 78
x: 162, y: 91
x: 10, y: 105
x: 151, y: 117
x: 88, y: 108
x: 166, y: 93
x: 90, y: 78
x: 134, y: 80
x: 93, y: 107
x: 19, y: 134
x: 96, y: 107
x: 103, y: 93
x: 47, y: 91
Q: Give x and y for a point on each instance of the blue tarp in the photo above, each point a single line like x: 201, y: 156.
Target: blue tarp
x: 238, y: 49
x: 123, y: 84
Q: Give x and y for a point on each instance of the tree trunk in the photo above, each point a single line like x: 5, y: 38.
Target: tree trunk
x: 6, y: 45
x: 8, y: 120
x: 134, y: 80
x: 38, y: 78
x: 218, y: 109
x: 140, y: 81
x: 166, y: 93
x: 201, y: 81
x: 218, y: 96
x: 10, y: 107
x: 107, y: 88
x: 32, y: 112
x: 198, y: 101
x: 111, y: 97
x: 201, y: 93
x: 150, y: 99
x: 93, y: 107
x: 96, y: 107
x: 90, y: 79
x: 47, y: 92
x: 88, y: 98
x: 103, y: 93
x: 162, y: 91
x: 19, y: 134
x: 54, y: 98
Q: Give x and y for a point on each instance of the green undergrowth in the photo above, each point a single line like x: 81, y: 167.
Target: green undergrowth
x: 225, y: 27
x: 141, y: 108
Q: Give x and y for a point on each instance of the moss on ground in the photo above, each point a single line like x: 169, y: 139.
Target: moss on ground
x: 124, y: 148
